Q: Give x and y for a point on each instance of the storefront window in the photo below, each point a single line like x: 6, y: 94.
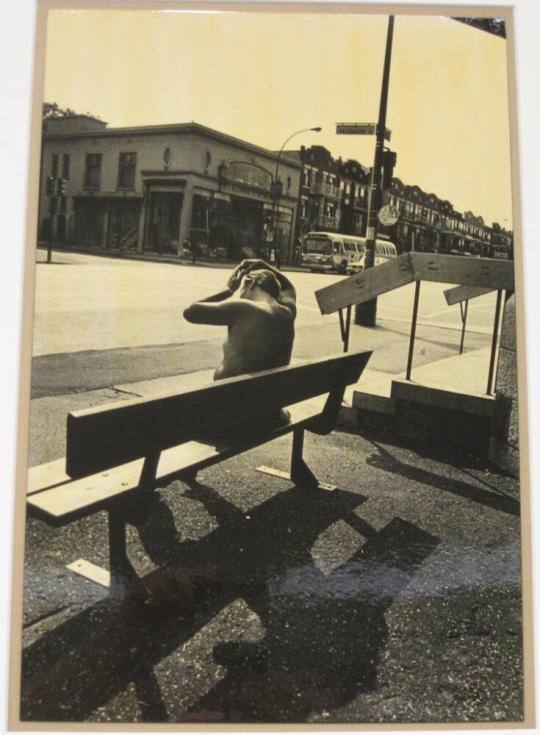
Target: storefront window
x: 199, y: 212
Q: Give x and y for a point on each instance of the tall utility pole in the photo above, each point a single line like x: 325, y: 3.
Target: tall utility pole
x: 366, y: 313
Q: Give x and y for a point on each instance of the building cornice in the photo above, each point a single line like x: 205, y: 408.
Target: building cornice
x: 179, y: 128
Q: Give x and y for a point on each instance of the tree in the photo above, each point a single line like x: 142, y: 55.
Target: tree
x: 52, y: 109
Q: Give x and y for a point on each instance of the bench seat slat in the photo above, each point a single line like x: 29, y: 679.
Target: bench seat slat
x: 77, y: 498
x: 87, y: 492
x: 46, y: 475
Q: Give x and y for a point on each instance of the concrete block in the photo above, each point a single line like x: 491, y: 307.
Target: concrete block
x: 372, y: 402
x: 504, y: 456
x: 504, y: 441
x: 504, y: 445
x: 444, y: 426
x: 348, y: 418
x: 404, y: 390
x: 508, y: 333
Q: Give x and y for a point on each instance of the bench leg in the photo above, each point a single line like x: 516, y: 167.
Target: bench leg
x: 189, y: 476
x: 122, y: 574
x: 301, y: 475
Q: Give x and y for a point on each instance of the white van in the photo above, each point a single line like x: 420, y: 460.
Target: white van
x: 384, y: 250
x: 336, y: 252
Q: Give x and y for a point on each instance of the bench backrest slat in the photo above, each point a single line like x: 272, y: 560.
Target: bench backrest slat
x: 102, y: 437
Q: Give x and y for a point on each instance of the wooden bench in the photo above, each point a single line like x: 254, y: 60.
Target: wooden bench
x: 118, y: 454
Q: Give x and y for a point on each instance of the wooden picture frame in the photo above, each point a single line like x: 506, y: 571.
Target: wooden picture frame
x: 224, y: 649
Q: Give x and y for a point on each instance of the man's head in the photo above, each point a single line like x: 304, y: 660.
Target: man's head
x: 261, y: 279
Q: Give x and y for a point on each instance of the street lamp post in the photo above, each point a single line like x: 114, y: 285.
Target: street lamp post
x: 276, y: 184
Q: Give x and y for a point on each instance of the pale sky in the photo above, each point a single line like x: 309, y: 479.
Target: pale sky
x: 261, y: 76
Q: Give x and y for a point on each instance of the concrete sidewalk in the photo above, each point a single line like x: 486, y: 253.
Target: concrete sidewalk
x: 444, y: 401
x: 395, y: 598
x: 465, y: 374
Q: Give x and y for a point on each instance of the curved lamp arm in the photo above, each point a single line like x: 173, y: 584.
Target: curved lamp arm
x: 304, y: 130
x: 277, y: 192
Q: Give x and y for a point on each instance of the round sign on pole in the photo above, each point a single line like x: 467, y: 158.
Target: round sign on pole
x: 388, y: 215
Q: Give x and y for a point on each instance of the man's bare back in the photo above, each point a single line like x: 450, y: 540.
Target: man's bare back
x: 259, y: 309
x: 261, y: 338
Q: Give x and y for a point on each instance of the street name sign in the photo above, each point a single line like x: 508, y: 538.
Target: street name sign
x: 360, y: 129
x: 355, y: 128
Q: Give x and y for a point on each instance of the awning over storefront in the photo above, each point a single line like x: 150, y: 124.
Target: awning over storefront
x: 165, y: 182
x: 471, y: 238
x: 124, y: 195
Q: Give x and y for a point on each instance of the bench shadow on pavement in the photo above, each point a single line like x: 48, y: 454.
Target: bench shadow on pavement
x: 323, y: 633
x: 487, y: 495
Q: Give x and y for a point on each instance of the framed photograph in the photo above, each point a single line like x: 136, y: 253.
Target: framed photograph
x: 273, y: 458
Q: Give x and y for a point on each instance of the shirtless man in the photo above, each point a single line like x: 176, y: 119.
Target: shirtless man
x: 258, y: 307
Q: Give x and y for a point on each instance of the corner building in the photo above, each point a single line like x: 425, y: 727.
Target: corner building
x: 165, y: 188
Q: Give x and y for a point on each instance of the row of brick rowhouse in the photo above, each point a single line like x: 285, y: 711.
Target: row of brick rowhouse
x: 165, y: 189
x: 186, y: 188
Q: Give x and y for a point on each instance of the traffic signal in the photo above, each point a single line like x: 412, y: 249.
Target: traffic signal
x: 51, y: 186
x: 61, y: 187
x: 389, y: 161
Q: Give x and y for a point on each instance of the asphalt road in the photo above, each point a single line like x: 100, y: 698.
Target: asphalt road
x: 85, y: 302
x: 102, y: 322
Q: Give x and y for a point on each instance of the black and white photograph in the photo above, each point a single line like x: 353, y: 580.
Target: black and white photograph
x: 275, y: 451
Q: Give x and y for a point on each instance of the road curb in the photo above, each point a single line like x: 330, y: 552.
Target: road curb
x: 155, y: 258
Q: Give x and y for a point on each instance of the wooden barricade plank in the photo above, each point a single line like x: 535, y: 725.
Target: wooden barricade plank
x: 472, y: 272
x: 464, y: 293
x: 466, y: 271
x: 366, y: 285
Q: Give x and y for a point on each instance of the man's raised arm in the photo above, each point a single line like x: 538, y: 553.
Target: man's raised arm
x: 224, y: 312
x: 287, y: 297
x: 219, y: 308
